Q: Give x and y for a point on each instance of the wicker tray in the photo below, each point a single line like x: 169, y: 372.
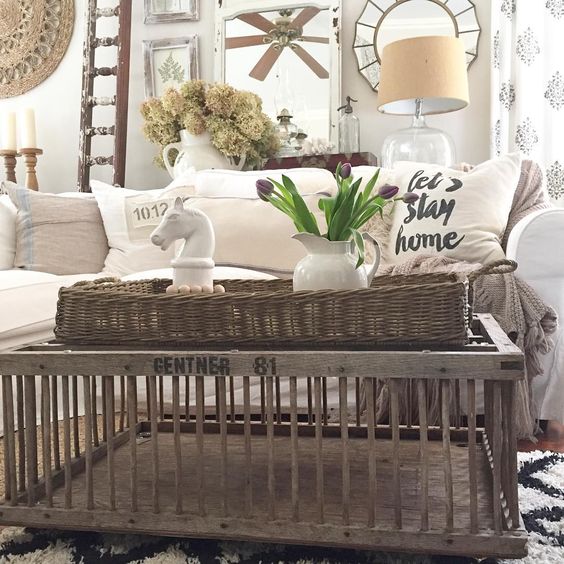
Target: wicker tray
x: 416, y: 309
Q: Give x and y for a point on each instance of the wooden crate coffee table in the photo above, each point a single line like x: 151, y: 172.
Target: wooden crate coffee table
x: 244, y: 465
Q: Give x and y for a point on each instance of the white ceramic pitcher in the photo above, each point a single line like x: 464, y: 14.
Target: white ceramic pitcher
x: 331, y: 265
x: 196, y: 152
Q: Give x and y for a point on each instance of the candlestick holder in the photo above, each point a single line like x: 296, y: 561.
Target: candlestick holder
x: 9, y: 163
x: 30, y: 159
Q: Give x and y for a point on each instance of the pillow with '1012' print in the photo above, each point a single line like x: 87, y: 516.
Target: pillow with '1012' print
x: 461, y: 215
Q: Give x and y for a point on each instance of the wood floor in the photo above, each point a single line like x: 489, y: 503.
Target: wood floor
x: 548, y: 441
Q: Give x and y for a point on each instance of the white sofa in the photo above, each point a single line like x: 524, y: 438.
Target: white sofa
x: 537, y: 244
x: 28, y: 299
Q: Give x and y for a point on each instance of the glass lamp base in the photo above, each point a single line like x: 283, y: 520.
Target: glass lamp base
x: 418, y: 143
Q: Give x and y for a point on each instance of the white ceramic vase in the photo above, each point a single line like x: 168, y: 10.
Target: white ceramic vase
x: 196, y: 152
x: 330, y: 265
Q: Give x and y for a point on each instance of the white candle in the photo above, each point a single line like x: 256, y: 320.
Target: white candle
x: 9, y: 132
x: 28, y: 138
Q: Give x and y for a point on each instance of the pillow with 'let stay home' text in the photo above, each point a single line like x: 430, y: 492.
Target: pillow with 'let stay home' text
x: 459, y: 214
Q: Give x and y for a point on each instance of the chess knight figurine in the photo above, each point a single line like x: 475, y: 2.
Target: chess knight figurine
x: 193, y: 265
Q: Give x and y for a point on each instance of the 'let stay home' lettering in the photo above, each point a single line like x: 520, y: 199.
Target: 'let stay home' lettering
x: 427, y: 207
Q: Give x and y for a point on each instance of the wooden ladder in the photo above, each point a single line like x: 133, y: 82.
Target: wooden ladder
x: 122, y: 41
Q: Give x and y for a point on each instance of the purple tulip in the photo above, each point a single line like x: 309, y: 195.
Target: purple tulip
x: 410, y: 197
x: 264, y: 189
x: 388, y: 191
x: 346, y: 170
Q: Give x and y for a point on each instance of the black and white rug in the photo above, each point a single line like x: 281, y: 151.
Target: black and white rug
x: 541, y: 479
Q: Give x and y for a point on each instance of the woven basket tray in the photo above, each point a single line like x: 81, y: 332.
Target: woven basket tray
x: 416, y: 309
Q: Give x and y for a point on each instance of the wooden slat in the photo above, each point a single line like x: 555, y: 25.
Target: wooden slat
x: 346, y: 469
x: 187, y: 398
x: 108, y: 400
x: 232, y: 399
x: 46, y: 436
x: 154, y: 445
x: 121, y: 403
x: 319, y: 477
x: 396, y: 468
x: 496, y: 439
x: 262, y: 400
x: 161, y: 398
x: 371, y: 450
x: 148, y: 397
x: 31, y: 438
x: 104, y: 412
x: 445, y: 417
x: 200, y: 468
x: 11, y: 485
x: 5, y: 426
x: 357, y: 400
x: 424, y: 453
x: 75, y: 428
x: 271, y: 481
x: 55, y: 423
x: 511, y: 399
x: 309, y: 402
x: 89, y: 423
x: 248, y: 452
x: 221, y: 400
x: 325, y: 406
x: 362, y: 364
x: 295, y: 464
x: 472, y: 464
x: 177, y: 443
x: 132, y: 409
x: 278, y: 401
x: 67, y: 442
x: 21, y: 432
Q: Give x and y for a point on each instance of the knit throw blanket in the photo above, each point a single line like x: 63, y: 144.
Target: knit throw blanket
x: 514, y: 304
x: 519, y: 311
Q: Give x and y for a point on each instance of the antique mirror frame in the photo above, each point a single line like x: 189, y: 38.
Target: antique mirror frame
x: 367, y: 55
x: 229, y: 9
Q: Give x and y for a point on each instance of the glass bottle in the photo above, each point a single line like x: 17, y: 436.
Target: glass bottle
x: 349, y: 129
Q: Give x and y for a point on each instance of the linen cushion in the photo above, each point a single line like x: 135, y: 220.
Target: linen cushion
x: 235, y: 184
x: 462, y: 215
x: 7, y: 232
x: 58, y: 234
x: 253, y: 234
x: 129, y: 217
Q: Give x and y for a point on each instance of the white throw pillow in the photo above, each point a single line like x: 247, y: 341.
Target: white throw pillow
x: 129, y: 218
x: 8, y: 214
x: 235, y: 184
x: 461, y: 215
x: 253, y: 234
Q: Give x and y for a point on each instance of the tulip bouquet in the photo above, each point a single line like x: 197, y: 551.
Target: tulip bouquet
x: 345, y: 213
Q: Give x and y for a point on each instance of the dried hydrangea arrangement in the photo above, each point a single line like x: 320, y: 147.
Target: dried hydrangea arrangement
x: 234, y: 119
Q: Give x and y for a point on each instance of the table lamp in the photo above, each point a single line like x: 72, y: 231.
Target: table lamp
x: 421, y: 76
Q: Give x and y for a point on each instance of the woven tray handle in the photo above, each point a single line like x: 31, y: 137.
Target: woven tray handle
x: 503, y: 266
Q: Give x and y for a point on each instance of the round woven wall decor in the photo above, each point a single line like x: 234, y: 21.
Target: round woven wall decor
x: 34, y: 36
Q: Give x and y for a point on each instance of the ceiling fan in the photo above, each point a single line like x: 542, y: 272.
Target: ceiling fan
x: 280, y: 33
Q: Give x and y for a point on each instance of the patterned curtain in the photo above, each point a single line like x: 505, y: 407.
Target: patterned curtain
x: 527, y: 91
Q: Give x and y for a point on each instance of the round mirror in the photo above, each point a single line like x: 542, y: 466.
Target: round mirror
x: 385, y: 21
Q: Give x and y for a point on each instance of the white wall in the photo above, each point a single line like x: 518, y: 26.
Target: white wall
x: 57, y: 100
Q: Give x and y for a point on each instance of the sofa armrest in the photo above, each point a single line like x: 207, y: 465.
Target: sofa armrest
x: 536, y: 243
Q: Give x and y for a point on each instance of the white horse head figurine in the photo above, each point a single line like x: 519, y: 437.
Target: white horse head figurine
x: 193, y: 266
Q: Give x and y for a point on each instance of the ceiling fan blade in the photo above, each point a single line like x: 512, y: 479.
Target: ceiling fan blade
x: 312, y: 39
x: 305, y: 16
x: 258, y: 21
x: 265, y: 64
x: 318, y: 69
x: 244, y: 41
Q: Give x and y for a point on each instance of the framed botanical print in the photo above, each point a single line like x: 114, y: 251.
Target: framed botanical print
x: 169, y: 63
x: 163, y: 11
